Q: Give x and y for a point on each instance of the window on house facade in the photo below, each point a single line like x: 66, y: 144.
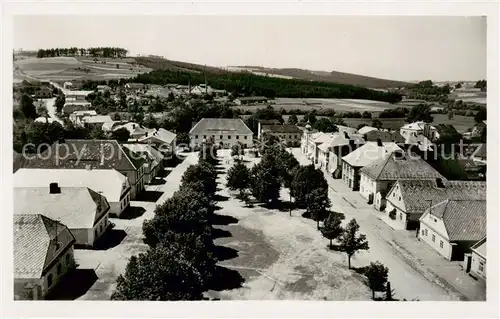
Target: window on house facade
x: 399, y: 197
x: 433, y: 238
x: 196, y: 136
x: 237, y: 137
x: 221, y: 137
x: 96, y: 233
x: 229, y: 137
x: 204, y: 136
x: 481, y: 266
x: 246, y: 137
x: 400, y: 216
x: 59, y: 269
x: 441, y: 243
x: 49, y: 280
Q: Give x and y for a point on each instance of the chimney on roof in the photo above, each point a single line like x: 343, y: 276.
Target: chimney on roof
x: 439, y: 183
x: 54, y: 188
x: 379, y: 142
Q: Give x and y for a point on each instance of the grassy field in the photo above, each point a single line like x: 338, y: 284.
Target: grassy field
x: 80, y: 68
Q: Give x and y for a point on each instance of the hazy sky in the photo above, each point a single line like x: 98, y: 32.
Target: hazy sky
x: 399, y: 48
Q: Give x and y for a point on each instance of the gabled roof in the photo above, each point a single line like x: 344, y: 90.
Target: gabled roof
x: 369, y: 153
x: 366, y: 129
x: 95, y: 154
x: 75, y: 207
x: 464, y: 220
x: 419, y: 125
x: 480, y: 247
x: 217, y: 126
x: 417, y: 195
x: 92, y: 119
x: 151, y: 152
x: 340, y: 139
x: 400, y: 165
x: 110, y: 182
x: 423, y: 143
x: 281, y: 128
x: 384, y: 136
x: 35, y: 246
x: 347, y: 129
x: 161, y: 134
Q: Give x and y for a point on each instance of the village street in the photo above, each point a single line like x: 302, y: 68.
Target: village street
x: 416, y: 271
x: 125, y: 238
x: 51, y: 109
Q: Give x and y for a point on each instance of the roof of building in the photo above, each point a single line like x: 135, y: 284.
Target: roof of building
x: 366, y: 129
x: 161, y: 134
x: 96, y: 154
x: 253, y: 98
x: 269, y: 122
x: 464, y: 220
x: 347, y: 129
x: 340, y: 139
x: 35, y: 246
x: 369, y: 153
x: 96, y: 119
x: 85, y: 112
x: 400, y: 165
x: 75, y: 207
x: 155, y: 155
x: 136, y: 85
x: 384, y: 136
x: 102, y: 86
x: 480, y: 247
x: 133, y: 128
x: 481, y: 151
x: 422, y: 142
x: 417, y: 195
x: 108, y: 126
x: 43, y: 119
x: 282, y: 128
x: 110, y: 182
x: 77, y: 93
x: 419, y: 125
x: 217, y: 126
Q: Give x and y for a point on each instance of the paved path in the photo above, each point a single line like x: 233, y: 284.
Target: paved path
x: 415, y: 269
x: 50, y: 104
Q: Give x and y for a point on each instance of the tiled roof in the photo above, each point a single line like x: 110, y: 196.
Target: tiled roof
x: 366, y: 129
x: 35, y: 246
x: 416, y: 126
x: 148, y: 150
x: 399, y: 165
x: 417, y: 195
x: 423, y: 143
x: 480, y: 247
x: 384, y: 136
x: 464, y: 220
x: 75, y: 207
x: 218, y: 126
x: 161, y: 134
x: 97, y: 119
x: 108, y: 181
x: 269, y: 122
x: 346, y: 129
x: 369, y: 153
x: 340, y: 139
x: 282, y: 128
x: 97, y: 154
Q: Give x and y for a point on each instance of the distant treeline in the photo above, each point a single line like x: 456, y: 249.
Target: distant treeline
x: 247, y: 84
x: 102, y: 52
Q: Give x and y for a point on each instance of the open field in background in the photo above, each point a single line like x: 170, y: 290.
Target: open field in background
x: 79, y: 68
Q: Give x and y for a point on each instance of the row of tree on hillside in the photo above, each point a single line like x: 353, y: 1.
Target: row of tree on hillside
x: 101, y: 52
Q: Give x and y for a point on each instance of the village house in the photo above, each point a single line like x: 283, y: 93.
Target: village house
x: 452, y: 227
x: 362, y: 156
x: 477, y: 268
x: 153, y: 160
x: 109, y: 182
x: 251, y: 100
x: 331, y: 151
x: 43, y: 92
x: 378, y: 177
x: 136, y: 87
x: 419, y: 128
x: 261, y: 123
x: 68, y: 86
x: 93, y: 154
x: 76, y: 95
x: 44, y: 119
x: 110, y: 126
x: 366, y: 129
x: 161, y: 139
x: 43, y: 255
x: 136, y: 130
x: 103, y: 88
x: 73, y: 106
x: 77, y: 116
x: 288, y: 134
x: 95, y: 120
x: 383, y: 135
x: 407, y: 200
x: 82, y: 210
x: 224, y: 132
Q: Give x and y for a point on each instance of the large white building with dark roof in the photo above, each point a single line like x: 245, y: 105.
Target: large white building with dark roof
x: 43, y: 255
x: 82, y: 210
x: 224, y: 132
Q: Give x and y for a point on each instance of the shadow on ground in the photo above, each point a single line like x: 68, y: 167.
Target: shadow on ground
x: 220, y: 198
x: 158, y: 181
x: 164, y: 173
x: 133, y: 212
x: 149, y: 196
x: 111, y: 238
x: 220, y: 233
x: 74, y: 285
x: 225, y: 279
x: 225, y: 253
x: 218, y: 219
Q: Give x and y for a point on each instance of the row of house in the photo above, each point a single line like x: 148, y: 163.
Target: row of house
x: 450, y: 216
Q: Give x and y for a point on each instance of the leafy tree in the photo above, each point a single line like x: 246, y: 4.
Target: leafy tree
x: 292, y: 119
x: 41, y: 110
x: 318, y: 203
x: 97, y: 133
x: 311, y: 117
x: 27, y: 107
x: 337, y: 120
x: 420, y: 112
x: 116, y: 117
x: 59, y: 103
x: 306, y: 179
x: 325, y: 125
x: 350, y: 243
x: 174, y: 271
x: 202, y: 172
x: 121, y: 134
x: 265, y: 184
x: 208, y: 153
x: 150, y: 121
x: 238, y: 177
x: 480, y: 115
x: 237, y: 150
x: 458, y: 85
x: 367, y: 115
x: 377, y: 277
x: 377, y: 124
x: 183, y: 138
x: 332, y: 227
x: 481, y: 84
x: 360, y: 126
